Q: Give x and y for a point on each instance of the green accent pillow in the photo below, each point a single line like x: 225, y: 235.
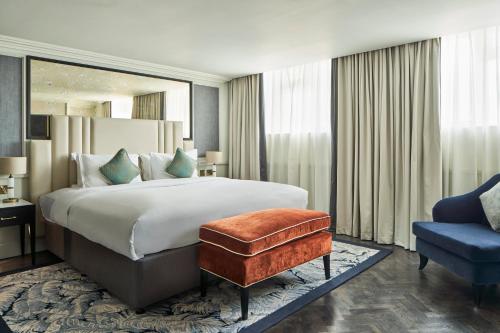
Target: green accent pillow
x: 182, y: 166
x: 120, y: 170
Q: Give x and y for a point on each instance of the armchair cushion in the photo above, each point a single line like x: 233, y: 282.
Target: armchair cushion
x: 472, y: 241
x: 491, y: 205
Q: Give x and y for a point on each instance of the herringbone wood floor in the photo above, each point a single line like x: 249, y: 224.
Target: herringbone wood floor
x: 393, y: 296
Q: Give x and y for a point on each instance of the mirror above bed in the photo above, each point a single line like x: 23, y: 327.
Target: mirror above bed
x: 62, y: 88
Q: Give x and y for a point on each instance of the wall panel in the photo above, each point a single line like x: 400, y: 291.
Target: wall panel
x: 205, y: 118
x: 10, y: 106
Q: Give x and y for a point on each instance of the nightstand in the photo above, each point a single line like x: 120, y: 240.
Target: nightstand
x: 20, y: 213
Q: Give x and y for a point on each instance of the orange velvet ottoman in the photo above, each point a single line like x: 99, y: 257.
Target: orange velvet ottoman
x: 252, y: 247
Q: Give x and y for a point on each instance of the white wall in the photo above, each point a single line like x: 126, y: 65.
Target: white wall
x: 9, y: 237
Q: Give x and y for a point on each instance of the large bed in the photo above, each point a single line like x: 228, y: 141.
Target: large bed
x: 137, y: 240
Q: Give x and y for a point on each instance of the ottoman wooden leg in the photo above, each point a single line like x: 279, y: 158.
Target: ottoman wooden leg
x: 203, y: 282
x: 244, y: 303
x: 326, y: 264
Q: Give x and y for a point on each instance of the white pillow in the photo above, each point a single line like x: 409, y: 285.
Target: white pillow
x: 88, y: 173
x: 75, y: 158
x: 490, y: 200
x: 145, y: 164
x: 160, y: 162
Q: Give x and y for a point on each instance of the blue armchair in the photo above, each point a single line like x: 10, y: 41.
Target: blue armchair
x: 463, y: 240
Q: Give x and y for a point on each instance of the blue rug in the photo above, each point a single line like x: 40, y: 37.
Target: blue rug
x: 57, y: 298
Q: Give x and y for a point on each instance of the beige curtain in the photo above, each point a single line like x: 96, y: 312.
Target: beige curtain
x: 149, y: 106
x: 389, y: 157
x: 244, y: 128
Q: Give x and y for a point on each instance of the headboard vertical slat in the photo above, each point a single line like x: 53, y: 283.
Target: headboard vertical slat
x: 86, y: 135
x: 169, y: 143
x: 177, y: 135
x: 40, y: 180
x: 59, y: 130
x: 75, y: 145
x: 161, y: 136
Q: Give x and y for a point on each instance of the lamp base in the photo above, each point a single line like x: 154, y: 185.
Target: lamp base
x: 10, y: 200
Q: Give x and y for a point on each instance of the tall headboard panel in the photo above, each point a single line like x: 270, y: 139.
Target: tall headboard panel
x: 50, y: 167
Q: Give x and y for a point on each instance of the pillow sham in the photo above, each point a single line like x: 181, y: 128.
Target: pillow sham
x: 490, y: 200
x: 88, y: 169
x: 182, y: 166
x: 120, y: 169
x: 145, y: 165
x: 75, y: 163
x: 160, y: 162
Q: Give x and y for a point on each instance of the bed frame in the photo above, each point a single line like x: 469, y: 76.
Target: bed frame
x: 137, y: 283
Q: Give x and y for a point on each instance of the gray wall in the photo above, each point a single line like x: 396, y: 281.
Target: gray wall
x: 205, y: 118
x: 10, y: 106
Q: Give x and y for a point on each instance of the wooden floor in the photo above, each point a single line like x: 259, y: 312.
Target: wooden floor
x: 392, y: 296
x: 20, y: 263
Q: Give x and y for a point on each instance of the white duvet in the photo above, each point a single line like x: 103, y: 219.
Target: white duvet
x: 148, y: 217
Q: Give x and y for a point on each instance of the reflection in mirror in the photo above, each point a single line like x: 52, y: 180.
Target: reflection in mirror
x: 69, y: 89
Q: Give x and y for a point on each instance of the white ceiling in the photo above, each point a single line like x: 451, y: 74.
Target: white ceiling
x: 239, y: 37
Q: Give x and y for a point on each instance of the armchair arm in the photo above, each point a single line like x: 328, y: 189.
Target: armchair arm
x: 460, y: 209
x: 464, y: 208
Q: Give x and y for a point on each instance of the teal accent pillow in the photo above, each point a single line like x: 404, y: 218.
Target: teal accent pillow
x: 182, y: 166
x: 120, y: 170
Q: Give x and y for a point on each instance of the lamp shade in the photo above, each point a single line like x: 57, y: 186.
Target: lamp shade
x: 214, y: 157
x: 12, y: 165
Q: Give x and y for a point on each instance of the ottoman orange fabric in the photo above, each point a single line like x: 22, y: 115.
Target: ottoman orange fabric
x: 245, y: 271
x: 252, y: 247
x: 253, y: 233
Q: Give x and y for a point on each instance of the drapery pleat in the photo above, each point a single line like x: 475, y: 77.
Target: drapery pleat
x: 149, y: 106
x: 388, y: 148
x: 244, y: 128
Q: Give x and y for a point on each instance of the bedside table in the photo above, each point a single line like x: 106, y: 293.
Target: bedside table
x: 20, y: 213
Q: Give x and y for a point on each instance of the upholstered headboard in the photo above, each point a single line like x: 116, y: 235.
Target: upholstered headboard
x: 50, y: 167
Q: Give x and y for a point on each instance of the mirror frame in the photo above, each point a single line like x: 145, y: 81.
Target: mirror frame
x: 28, y: 87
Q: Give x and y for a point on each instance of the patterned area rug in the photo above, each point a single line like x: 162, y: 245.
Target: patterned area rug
x: 57, y: 298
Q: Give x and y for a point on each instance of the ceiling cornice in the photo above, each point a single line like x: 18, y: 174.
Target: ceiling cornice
x: 23, y: 47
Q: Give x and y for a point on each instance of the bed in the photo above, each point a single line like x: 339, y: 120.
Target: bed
x: 138, y: 240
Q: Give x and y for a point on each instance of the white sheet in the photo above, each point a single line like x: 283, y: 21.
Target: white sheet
x: 148, y: 217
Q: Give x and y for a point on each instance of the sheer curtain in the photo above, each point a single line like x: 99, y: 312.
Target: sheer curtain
x: 177, y: 107
x: 470, y: 119
x: 298, y: 132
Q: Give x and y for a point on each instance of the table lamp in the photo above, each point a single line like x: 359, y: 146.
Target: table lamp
x: 12, y: 166
x: 214, y: 158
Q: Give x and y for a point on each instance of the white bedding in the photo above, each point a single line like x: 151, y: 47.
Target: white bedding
x: 148, y: 217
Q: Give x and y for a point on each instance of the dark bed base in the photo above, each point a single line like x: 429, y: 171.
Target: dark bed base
x: 137, y: 283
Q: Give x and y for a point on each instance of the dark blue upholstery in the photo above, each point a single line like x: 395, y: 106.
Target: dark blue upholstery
x: 484, y: 273
x: 472, y: 241
x: 465, y: 208
x: 462, y: 240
